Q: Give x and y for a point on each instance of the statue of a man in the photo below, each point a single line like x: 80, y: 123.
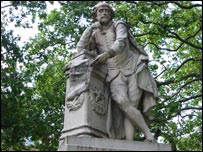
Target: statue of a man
x: 129, y: 79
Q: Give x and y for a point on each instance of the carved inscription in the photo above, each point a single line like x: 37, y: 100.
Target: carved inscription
x: 78, y: 75
x: 76, y: 79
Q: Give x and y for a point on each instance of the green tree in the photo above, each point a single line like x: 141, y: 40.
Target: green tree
x: 170, y: 31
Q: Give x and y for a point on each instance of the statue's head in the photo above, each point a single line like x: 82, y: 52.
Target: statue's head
x: 102, y: 12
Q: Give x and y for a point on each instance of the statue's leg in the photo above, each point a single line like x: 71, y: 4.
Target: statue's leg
x: 135, y: 94
x: 129, y: 129
x: 119, y: 91
x: 134, y: 116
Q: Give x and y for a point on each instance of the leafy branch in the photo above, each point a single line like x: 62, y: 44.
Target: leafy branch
x: 182, y: 78
x: 186, y: 7
x: 182, y: 100
x: 175, y: 35
x: 187, y: 60
x: 180, y: 88
x: 176, y: 114
x: 170, y: 50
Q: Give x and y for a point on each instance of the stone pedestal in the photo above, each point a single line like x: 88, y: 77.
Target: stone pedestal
x: 101, y: 144
x: 86, y: 101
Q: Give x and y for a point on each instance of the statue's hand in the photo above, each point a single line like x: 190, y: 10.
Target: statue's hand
x: 96, y: 25
x: 102, y: 58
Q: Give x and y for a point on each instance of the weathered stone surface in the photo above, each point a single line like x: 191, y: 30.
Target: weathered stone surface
x: 86, y: 101
x: 110, y: 91
x: 101, y: 144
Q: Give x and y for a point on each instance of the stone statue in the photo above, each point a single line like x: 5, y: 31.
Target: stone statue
x: 132, y: 88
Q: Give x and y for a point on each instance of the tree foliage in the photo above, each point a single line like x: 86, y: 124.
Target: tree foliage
x: 33, y: 82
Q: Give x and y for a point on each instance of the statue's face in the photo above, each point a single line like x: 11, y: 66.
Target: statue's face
x: 103, y: 15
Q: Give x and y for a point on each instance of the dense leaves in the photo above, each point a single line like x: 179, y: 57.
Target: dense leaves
x: 33, y: 82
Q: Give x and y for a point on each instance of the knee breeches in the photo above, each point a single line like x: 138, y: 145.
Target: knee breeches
x: 125, y: 89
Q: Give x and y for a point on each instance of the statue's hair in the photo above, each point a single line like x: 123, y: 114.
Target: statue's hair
x: 95, y: 8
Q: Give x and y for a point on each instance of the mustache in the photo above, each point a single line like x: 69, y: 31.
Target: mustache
x: 105, y: 16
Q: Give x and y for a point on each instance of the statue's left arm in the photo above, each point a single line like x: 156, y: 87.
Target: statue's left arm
x: 121, y: 39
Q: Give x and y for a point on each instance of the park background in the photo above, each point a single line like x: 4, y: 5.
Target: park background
x: 39, y: 37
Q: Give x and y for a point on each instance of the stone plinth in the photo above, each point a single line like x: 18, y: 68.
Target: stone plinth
x: 102, y: 144
x: 86, y: 101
